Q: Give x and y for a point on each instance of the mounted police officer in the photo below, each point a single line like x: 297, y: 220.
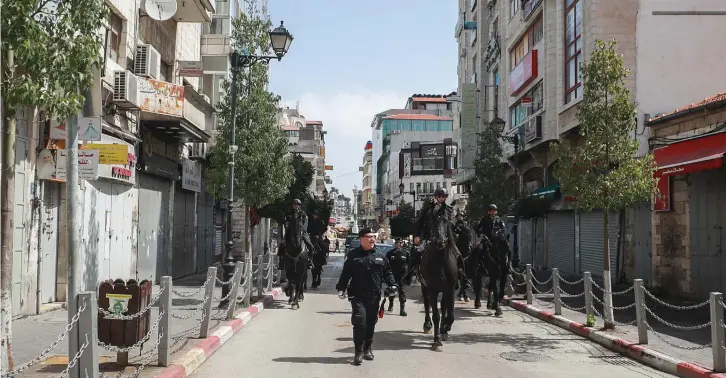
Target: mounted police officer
x: 434, y: 222
x: 364, y: 271
x: 399, y: 259
x: 497, y: 263
x: 462, y: 230
x: 316, y: 229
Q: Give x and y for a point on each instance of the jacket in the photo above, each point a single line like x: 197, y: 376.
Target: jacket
x: 399, y: 260
x: 463, y: 237
x: 488, y: 225
x: 364, y: 272
x: 296, y: 225
x: 316, y: 227
x: 433, y: 224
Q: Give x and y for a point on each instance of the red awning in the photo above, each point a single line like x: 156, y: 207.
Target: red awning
x: 692, y: 155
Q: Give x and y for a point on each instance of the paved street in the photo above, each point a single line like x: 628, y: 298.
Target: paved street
x: 315, y: 341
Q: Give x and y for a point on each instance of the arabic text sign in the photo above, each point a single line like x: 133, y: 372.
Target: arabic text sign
x: 118, y: 303
x: 191, y: 175
x: 110, y: 153
x: 88, y: 164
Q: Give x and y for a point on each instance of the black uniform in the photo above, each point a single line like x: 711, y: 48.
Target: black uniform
x: 497, y: 265
x: 316, y: 229
x: 362, y: 276
x: 433, y: 226
x: 399, y: 260
x: 296, y: 225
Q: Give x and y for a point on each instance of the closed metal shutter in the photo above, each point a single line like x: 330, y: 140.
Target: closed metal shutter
x: 592, y: 243
x: 526, y: 245
x: 561, y: 241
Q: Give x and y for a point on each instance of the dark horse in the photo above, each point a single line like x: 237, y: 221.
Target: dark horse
x: 492, y: 258
x: 296, y: 267
x: 439, y: 273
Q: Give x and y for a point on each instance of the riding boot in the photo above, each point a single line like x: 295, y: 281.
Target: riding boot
x: 403, y: 310
x: 367, y: 351
x: 358, y: 337
x: 390, y: 303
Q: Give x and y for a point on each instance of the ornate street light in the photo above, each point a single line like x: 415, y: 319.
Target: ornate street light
x: 280, y: 40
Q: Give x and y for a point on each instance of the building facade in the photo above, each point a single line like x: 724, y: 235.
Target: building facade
x: 145, y: 209
x: 519, y: 61
x: 366, y: 196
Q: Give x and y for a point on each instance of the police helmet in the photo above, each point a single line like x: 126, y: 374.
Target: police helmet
x: 441, y: 192
x: 297, y: 201
x: 492, y: 207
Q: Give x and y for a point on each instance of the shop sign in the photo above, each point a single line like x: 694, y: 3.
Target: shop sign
x: 523, y: 73
x: 432, y: 151
x: 533, y: 129
x: 191, y: 68
x: 160, y: 157
x: 191, y: 175
x: 52, y: 164
x: 160, y: 97
x: 110, y: 153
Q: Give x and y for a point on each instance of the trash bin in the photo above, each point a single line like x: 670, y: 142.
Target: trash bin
x: 124, y: 298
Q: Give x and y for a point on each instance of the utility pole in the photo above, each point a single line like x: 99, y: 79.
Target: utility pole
x: 73, y: 230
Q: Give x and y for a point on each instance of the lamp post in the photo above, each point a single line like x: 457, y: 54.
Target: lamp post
x: 280, y: 40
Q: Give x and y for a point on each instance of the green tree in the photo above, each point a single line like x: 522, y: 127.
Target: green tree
x: 302, y: 178
x: 490, y: 185
x: 403, y: 224
x: 263, y: 167
x: 324, y: 207
x: 50, y: 50
x: 601, y: 169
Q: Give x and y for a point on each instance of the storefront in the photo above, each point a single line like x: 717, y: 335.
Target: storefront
x: 592, y: 242
x: 159, y: 164
x: 185, y: 212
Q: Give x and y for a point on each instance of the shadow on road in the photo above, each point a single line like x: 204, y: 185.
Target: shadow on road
x: 315, y: 360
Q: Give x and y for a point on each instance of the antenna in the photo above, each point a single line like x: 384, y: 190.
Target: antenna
x: 160, y: 10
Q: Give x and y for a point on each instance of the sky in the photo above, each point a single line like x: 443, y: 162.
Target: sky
x: 350, y: 60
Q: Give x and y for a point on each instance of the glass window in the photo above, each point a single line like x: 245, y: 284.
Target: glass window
x: 438, y: 185
x: 526, y: 43
x: 115, y: 27
x: 519, y: 112
x: 573, y: 50
x: 410, y: 187
x: 444, y: 184
x: 513, y: 5
x: 419, y: 125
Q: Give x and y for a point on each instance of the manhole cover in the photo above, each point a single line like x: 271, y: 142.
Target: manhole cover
x: 523, y: 356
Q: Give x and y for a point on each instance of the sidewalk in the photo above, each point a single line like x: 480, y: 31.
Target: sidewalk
x: 691, y: 346
x: 31, y: 335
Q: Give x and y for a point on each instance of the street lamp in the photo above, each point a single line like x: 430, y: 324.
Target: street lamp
x: 280, y: 40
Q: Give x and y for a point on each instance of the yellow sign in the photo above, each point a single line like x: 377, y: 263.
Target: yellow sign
x: 118, y: 303
x: 328, y: 167
x: 110, y: 153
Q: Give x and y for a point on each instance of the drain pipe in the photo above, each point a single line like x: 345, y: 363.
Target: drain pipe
x: 620, y: 254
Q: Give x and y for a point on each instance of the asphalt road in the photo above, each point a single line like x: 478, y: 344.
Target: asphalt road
x: 315, y: 341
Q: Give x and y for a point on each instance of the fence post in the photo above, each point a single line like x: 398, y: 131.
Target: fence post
x: 529, y: 284
x: 209, y: 297
x: 556, y: 290
x: 87, y: 329
x: 640, y: 313
x: 278, y: 277
x: 717, y: 333
x: 260, y: 275
x: 270, y: 272
x: 232, y: 300
x: 165, y: 321
x: 587, y: 281
x: 248, y: 279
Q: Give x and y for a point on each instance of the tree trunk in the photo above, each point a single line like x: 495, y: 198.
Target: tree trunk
x: 7, y: 187
x: 607, y: 284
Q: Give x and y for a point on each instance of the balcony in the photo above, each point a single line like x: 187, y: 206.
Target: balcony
x: 194, y: 11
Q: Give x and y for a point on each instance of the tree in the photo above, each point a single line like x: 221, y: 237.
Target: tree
x: 302, y: 178
x: 403, y: 224
x: 324, y: 207
x: 49, y: 52
x: 602, y: 170
x: 490, y: 185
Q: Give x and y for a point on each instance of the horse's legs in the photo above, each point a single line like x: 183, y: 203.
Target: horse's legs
x: 447, y: 305
x: 477, y: 290
x: 436, y: 346
x: 427, y: 310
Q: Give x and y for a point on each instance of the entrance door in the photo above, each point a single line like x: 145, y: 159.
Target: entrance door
x: 184, y: 257
x: 152, y: 262
x: 707, y: 212
x: 205, y: 231
x: 20, y: 201
x: 49, y: 241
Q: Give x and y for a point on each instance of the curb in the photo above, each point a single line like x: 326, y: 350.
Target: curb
x: 185, y: 365
x: 635, y: 351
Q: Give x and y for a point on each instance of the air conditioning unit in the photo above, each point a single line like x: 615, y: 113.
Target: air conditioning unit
x: 125, y: 90
x: 199, y: 151
x: 147, y: 62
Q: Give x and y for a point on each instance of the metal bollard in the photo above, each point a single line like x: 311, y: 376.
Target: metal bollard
x: 236, y: 278
x: 165, y: 321
x: 88, y: 332
x: 717, y: 333
x: 248, y: 280
x: 529, y: 284
x: 588, y: 293
x: 556, y: 290
x: 209, y: 295
x: 260, y: 275
x: 640, y: 313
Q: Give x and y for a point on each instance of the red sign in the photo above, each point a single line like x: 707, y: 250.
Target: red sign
x: 662, y: 199
x: 524, y: 73
x: 691, y: 155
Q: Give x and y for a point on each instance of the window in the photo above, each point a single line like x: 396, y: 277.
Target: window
x: 219, y: 25
x: 530, y: 38
x: 519, y: 112
x: 438, y: 185
x: 573, y: 50
x: 513, y: 8
x: 410, y: 187
x: 113, y: 38
x: 444, y: 184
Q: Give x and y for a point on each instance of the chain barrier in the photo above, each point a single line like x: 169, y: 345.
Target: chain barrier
x: 189, y: 295
x: 75, y: 359
x: 50, y: 348
x: 139, y: 344
x: 629, y: 289
x: 675, y: 307
x: 534, y: 280
x: 193, y: 313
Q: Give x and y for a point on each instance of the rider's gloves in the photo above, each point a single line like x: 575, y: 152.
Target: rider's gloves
x: 341, y: 295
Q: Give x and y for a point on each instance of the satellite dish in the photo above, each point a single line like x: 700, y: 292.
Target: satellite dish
x: 160, y: 10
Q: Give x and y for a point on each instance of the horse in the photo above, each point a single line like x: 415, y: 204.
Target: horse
x: 296, y: 267
x: 492, y: 260
x: 439, y: 273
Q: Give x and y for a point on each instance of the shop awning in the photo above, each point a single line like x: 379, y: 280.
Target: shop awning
x: 547, y: 192
x: 691, y: 155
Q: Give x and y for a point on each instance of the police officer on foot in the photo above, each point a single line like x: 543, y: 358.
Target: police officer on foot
x: 364, y: 271
x: 398, y: 259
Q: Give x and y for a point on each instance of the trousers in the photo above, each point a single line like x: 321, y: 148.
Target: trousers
x: 364, y: 317
x: 401, y: 292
